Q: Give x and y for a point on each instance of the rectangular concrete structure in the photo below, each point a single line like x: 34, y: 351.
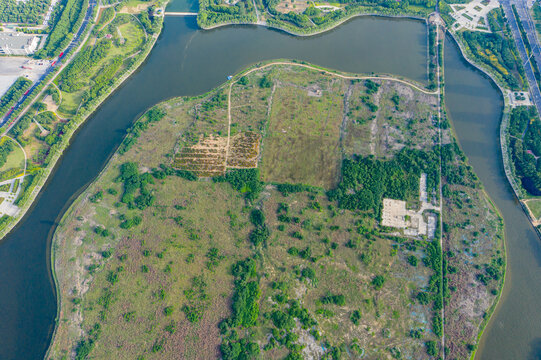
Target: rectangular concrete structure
x: 13, y: 43
x: 394, y: 213
x: 412, y: 222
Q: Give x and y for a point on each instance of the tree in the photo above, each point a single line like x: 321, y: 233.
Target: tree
x: 378, y: 282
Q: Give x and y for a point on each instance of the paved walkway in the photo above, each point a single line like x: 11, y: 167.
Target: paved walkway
x: 473, y: 16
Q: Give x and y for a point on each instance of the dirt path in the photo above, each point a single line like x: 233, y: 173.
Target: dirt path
x: 347, y: 77
x: 439, y: 76
x: 142, y: 27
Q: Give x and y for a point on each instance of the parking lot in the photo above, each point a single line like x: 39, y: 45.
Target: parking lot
x: 11, y: 67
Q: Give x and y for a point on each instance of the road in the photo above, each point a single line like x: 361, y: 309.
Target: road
x: 169, y: 13
x: 58, y: 64
x: 532, y: 83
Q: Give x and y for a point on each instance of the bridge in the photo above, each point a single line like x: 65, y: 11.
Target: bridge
x: 169, y: 13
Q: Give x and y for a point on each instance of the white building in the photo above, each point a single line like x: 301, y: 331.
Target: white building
x: 18, y: 43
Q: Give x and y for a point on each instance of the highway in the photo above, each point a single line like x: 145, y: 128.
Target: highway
x: 528, y: 69
x: 58, y: 63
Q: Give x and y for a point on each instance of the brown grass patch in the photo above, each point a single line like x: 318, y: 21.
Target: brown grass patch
x: 244, y: 150
x: 297, y: 6
x: 208, y: 156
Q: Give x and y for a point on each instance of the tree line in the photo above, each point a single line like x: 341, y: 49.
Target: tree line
x: 72, y: 79
x: 5, y: 149
x: 367, y: 180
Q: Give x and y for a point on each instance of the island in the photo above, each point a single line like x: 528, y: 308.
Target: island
x: 295, y: 212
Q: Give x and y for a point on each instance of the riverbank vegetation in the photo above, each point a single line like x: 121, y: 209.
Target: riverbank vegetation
x: 245, y: 264
x: 523, y: 151
x: 525, y: 147
x: 302, y: 17
x: 496, y: 52
x: 473, y: 254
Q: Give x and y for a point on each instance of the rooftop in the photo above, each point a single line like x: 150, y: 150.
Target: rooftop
x: 15, y: 40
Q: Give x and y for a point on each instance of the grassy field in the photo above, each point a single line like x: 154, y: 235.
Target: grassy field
x: 535, y: 207
x: 154, y: 263
x: 70, y: 103
x: 15, y: 159
x: 302, y: 142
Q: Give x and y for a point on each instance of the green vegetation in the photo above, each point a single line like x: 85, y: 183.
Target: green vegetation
x: 246, y: 296
x: 302, y: 17
x: 71, y: 79
x: 23, y: 12
x: 211, y: 13
x: 246, y: 181
x: 6, y: 147
x: 525, y: 147
x: 112, y: 51
x: 366, y: 181
x: 473, y: 245
x: 153, y: 115
x: 135, y: 193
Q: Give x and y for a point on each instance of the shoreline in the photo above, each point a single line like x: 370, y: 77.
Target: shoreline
x: 52, y: 164
x: 47, y: 170
x: 66, y: 141
x: 503, y: 126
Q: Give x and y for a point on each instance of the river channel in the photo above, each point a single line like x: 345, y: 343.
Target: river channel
x: 188, y: 61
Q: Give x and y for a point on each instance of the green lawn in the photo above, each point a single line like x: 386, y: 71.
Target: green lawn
x: 535, y: 207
